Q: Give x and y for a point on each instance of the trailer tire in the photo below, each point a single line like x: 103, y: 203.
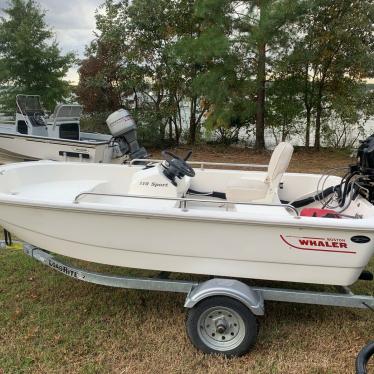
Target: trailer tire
x: 364, y: 357
x: 222, y: 325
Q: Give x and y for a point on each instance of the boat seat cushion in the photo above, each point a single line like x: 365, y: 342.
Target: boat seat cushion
x: 280, y: 159
x: 245, y: 190
x: 265, y: 191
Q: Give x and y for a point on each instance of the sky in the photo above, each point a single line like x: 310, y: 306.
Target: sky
x: 73, y: 22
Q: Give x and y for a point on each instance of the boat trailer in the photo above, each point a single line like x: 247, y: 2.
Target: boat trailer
x: 196, y: 291
x: 222, y: 316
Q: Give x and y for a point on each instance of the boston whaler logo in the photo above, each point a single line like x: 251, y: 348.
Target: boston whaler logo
x: 63, y: 269
x: 80, y: 149
x: 306, y: 243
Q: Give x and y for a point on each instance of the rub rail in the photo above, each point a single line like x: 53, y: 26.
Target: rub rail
x: 184, y: 200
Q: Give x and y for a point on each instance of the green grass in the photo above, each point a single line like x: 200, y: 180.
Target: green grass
x: 53, y: 324
x: 50, y: 323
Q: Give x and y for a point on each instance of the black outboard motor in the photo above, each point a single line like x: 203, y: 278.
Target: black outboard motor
x: 365, y: 167
x: 365, y: 155
x: 123, y: 128
x: 359, y: 180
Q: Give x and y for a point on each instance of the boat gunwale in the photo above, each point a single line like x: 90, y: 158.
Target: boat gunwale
x: 293, y: 221
x: 59, y: 141
x: 362, y: 224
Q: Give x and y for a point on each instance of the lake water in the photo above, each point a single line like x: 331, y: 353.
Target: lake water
x: 299, y: 140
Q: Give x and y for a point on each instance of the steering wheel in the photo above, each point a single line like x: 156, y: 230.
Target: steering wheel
x: 177, y: 166
x: 38, y: 117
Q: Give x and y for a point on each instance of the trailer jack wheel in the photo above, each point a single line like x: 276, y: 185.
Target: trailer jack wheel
x: 222, y: 325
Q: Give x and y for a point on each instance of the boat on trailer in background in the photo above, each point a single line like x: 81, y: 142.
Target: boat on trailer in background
x: 35, y: 136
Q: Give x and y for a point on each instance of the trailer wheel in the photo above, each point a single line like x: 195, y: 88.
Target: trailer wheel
x: 222, y: 325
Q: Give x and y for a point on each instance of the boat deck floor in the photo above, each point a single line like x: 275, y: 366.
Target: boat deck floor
x: 66, y: 192
x: 8, y: 129
x: 59, y: 191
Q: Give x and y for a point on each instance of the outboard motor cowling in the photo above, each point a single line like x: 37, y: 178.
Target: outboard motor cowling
x: 365, y: 155
x: 123, y: 128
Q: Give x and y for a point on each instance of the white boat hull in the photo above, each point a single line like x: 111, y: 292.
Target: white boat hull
x: 17, y: 147
x: 260, y: 244
x: 220, y: 249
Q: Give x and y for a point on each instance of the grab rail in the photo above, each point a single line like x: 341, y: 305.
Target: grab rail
x: 186, y: 200
x: 25, y: 117
x: 202, y: 163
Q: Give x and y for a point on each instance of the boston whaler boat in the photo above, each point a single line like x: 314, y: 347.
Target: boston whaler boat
x: 171, y: 217
x: 58, y: 137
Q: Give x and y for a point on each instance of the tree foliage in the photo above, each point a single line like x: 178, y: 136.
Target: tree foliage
x: 99, y: 87
x: 334, y: 55
x: 290, y: 66
x: 146, y: 66
x: 30, y: 59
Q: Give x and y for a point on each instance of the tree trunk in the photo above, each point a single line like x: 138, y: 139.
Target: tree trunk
x: 307, y: 130
x: 308, y: 107
x: 319, y: 107
x: 162, y: 131
x: 170, y: 130
x: 284, y: 132
x: 178, y: 120
x: 136, y: 99
x: 317, y: 137
x: 260, y: 103
x: 177, y: 133
x: 193, y: 124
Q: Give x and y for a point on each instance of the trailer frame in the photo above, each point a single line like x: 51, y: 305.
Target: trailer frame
x: 228, y: 302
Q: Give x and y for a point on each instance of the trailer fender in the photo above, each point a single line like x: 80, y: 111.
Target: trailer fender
x: 252, y: 299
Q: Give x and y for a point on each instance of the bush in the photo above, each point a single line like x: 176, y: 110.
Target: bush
x: 95, y: 122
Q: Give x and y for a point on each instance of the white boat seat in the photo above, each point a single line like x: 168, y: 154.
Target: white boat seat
x: 64, y: 112
x: 248, y: 189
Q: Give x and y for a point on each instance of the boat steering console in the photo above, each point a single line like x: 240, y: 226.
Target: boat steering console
x: 176, y: 167
x: 39, y: 119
